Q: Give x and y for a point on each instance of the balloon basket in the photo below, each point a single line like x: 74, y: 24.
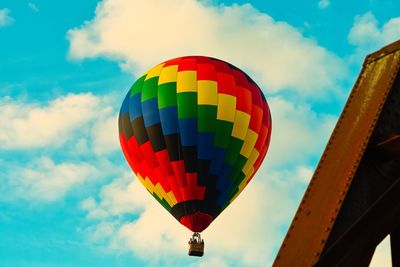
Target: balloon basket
x: 196, y: 245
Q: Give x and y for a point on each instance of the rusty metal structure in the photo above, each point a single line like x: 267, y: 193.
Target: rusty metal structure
x: 353, y: 199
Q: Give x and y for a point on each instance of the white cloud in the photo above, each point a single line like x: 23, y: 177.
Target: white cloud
x: 246, y: 233
x: 304, y: 173
x: 298, y: 132
x: 323, y: 4
x: 24, y: 125
x: 31, y: 126
x: 33, y: 6
x: 55, y: 146
x: 141, y: 33
x: 367, y: 35
x: 155, y: 229
x: 122, y: 196
x: 44, y: 180
x: 211, y: 261
x: 365, y: 31
x: 5, y: 17
x: 62, y: 144
x: 382, y: 255
x: 105, y: 135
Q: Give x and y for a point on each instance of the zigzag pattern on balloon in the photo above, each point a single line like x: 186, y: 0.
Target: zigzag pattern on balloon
x: 195, y: 130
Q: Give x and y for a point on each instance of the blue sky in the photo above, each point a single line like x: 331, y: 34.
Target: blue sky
x: 67, y: 197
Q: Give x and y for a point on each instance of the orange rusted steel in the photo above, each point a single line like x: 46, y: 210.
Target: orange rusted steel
x: 369, y: 212
x: 319, y: 208
x: 355, y: 247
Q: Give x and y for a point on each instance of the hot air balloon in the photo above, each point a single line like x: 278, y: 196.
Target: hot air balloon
x: 194, y: 130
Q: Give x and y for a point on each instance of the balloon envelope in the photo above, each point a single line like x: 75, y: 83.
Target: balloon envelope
x: 194, y: 131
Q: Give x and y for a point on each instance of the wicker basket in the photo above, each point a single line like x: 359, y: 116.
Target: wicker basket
x: 196, y: 249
